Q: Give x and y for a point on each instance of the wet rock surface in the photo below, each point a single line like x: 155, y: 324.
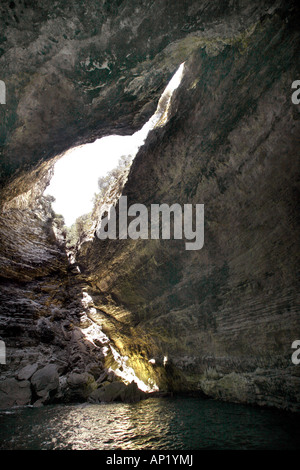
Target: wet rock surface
x: 220, y: 320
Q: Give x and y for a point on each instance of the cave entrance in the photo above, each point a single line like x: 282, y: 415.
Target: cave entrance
x: 81, y: 171
x: 87, y: 179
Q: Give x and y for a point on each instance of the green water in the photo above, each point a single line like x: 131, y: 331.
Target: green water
x: 156, y: 424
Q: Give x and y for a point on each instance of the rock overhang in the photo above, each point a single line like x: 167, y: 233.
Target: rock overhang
x: 74, y: 74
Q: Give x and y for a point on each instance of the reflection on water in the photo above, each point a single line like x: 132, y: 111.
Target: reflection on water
x: 156, y: 424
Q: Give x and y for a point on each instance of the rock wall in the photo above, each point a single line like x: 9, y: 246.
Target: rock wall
x: 54, y: 352
x: 225, y: 316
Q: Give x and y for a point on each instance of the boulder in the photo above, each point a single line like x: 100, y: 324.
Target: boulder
x: 132, y: 393
x: 95, y: 370
x: 26, y: 372
x: 45, y: 382
x: 117, y: 391
x: 108, y: 393
x: 14, y: 393
x: 79, y: 386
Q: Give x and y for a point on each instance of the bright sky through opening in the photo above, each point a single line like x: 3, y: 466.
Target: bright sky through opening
x: 75, y: 179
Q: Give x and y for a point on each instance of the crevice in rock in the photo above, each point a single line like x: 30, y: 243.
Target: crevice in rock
x: 55, y: 320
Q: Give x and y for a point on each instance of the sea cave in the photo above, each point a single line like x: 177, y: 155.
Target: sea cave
x: 181, y: 104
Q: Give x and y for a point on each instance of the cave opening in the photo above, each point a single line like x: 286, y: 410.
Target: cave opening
x: 64, y: 319
x: 82, y: 172
x: 60, y: 332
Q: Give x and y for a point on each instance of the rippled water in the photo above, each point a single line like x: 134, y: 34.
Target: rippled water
x: 156, y: 424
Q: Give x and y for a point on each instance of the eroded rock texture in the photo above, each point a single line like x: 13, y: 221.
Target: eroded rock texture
x: 224, y: 317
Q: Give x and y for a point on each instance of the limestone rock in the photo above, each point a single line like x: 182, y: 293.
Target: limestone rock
x: 45, y: 381
x: 102, y: 377
x: 80, y: 386
x: 27, y: 372
x: 45, y: 331
x: 96, y: 370
x: 117, y: 391
x: 108, y: 393
x: 132, y: 393
x: 14, y: 393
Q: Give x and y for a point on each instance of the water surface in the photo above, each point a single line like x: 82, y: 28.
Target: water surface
x: 155, y: 424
